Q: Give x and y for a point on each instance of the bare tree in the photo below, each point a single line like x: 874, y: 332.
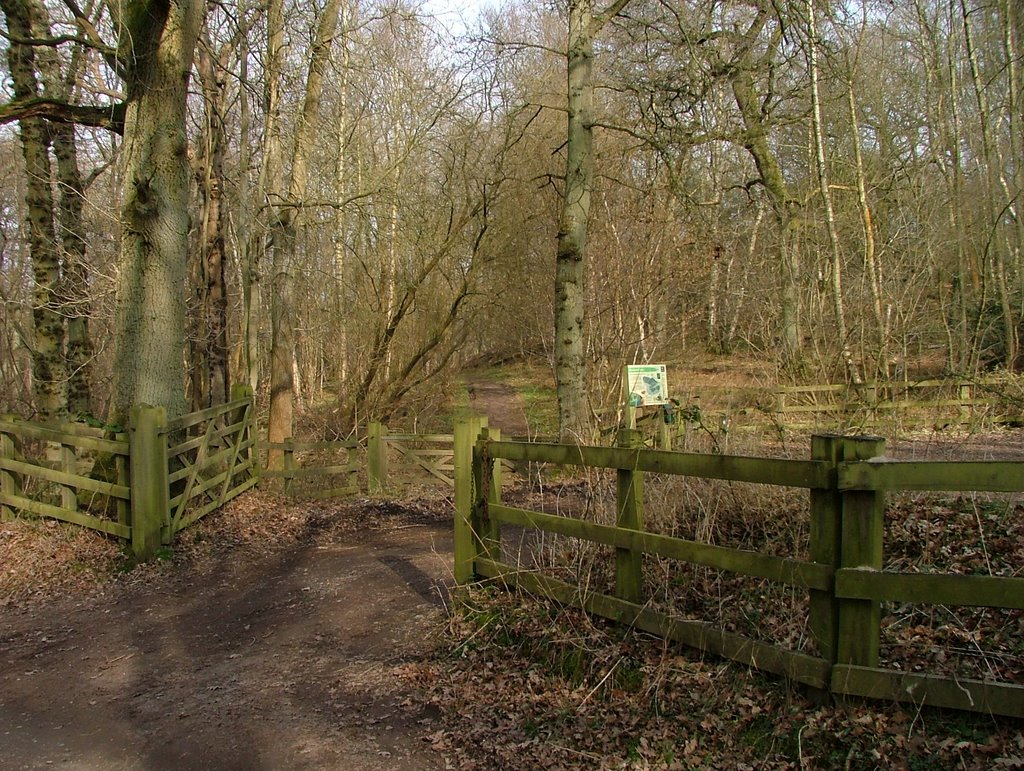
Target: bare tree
x: 570, y: 260
x: 287, y: 212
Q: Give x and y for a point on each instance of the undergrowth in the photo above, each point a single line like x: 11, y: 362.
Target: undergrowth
x: 528, y: 684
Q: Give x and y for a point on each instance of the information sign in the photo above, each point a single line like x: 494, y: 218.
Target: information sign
x: 646, y: 385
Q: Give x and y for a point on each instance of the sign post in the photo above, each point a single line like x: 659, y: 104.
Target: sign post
x: 643, y: 385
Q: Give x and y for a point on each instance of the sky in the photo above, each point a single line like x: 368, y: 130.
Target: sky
x: 457, y: 14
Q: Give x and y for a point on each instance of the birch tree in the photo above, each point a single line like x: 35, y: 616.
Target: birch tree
x: 570, y: 258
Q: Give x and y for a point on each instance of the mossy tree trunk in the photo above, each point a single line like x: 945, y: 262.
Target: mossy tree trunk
x: 156, y: 44
x: 48, y: 367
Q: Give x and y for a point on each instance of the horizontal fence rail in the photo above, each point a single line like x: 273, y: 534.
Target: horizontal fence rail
x: 44, y: 470
x: 294, y: 468
x: 846, y: 478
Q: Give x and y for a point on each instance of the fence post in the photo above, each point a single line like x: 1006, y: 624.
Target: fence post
x: 487, y: 490
x: 863, y: 530
x: 150, y: 489
x: 664, y: 432
x: 289, y: 464
x: 495, y: 497
x: 826, y: 534
x: 376, y: 458
x: 465, y: 542
x: 68, y: 493
x: 629, y: 500
x: 124, y: 508
x: 8, y: 481
x: 963, y: 395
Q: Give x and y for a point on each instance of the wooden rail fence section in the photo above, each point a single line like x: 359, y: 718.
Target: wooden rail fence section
x: 166, y: 474
x: 846, y: 477
x: 430, y: 454
x: 880, y: 403
x: 295, y: 470
x: 43, y: 470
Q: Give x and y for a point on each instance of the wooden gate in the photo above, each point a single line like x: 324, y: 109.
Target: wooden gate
x: 212, y: 461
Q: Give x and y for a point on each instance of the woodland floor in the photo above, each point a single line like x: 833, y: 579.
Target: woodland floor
x: 284, y: 649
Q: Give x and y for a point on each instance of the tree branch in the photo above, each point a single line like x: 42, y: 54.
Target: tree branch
x: 111, y: 118
x: 607, y: 15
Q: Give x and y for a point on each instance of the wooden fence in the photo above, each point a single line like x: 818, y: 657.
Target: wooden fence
x: 165, y: 474
x: 44, y: 470
x: 304, y: 462
x: 427, y: 454
x: 921, y: 402
x: 846, y: 477
x: 876, y: 404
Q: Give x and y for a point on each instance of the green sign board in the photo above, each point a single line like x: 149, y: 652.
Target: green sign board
x: 646, y: 385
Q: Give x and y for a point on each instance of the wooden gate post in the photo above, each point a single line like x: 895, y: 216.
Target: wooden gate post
x: 376, y: 458
x: 465, y: 542
x: 863, y: 531
x: 150, y: 489
x: 826, y: 536
x: 487, y: 490
x: 629, y: 580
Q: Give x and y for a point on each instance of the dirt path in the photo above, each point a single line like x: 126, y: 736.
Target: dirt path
x: 288, y: 660
x: 501, y: 403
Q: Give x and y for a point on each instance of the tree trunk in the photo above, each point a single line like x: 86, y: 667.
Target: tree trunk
x: 211, y: 313
x: 784, y: 205
x: 248, y: 250
x: 75, y: 295
x: 836, y: 264
x: 995, y: 178
x: 340, y: 215
x: 570, y: 265
x: 157, y: 43
x: 74, y: 304
x: 870, y: 261
x: 284, y: 230
x: 48, y: 366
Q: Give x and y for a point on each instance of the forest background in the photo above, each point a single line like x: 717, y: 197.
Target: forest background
x: 345, y: 203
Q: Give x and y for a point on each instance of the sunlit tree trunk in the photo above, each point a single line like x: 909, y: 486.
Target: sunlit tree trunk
x: 340, y: 218
x: 570, y: 258
x: 283, y: 238
x: 871, y: 268
x: 784, y: 205
x: 570, y: 268
x: 248, y: 251
x: 156, y: 43
x: 48, y: 366
x: 835, y: 262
